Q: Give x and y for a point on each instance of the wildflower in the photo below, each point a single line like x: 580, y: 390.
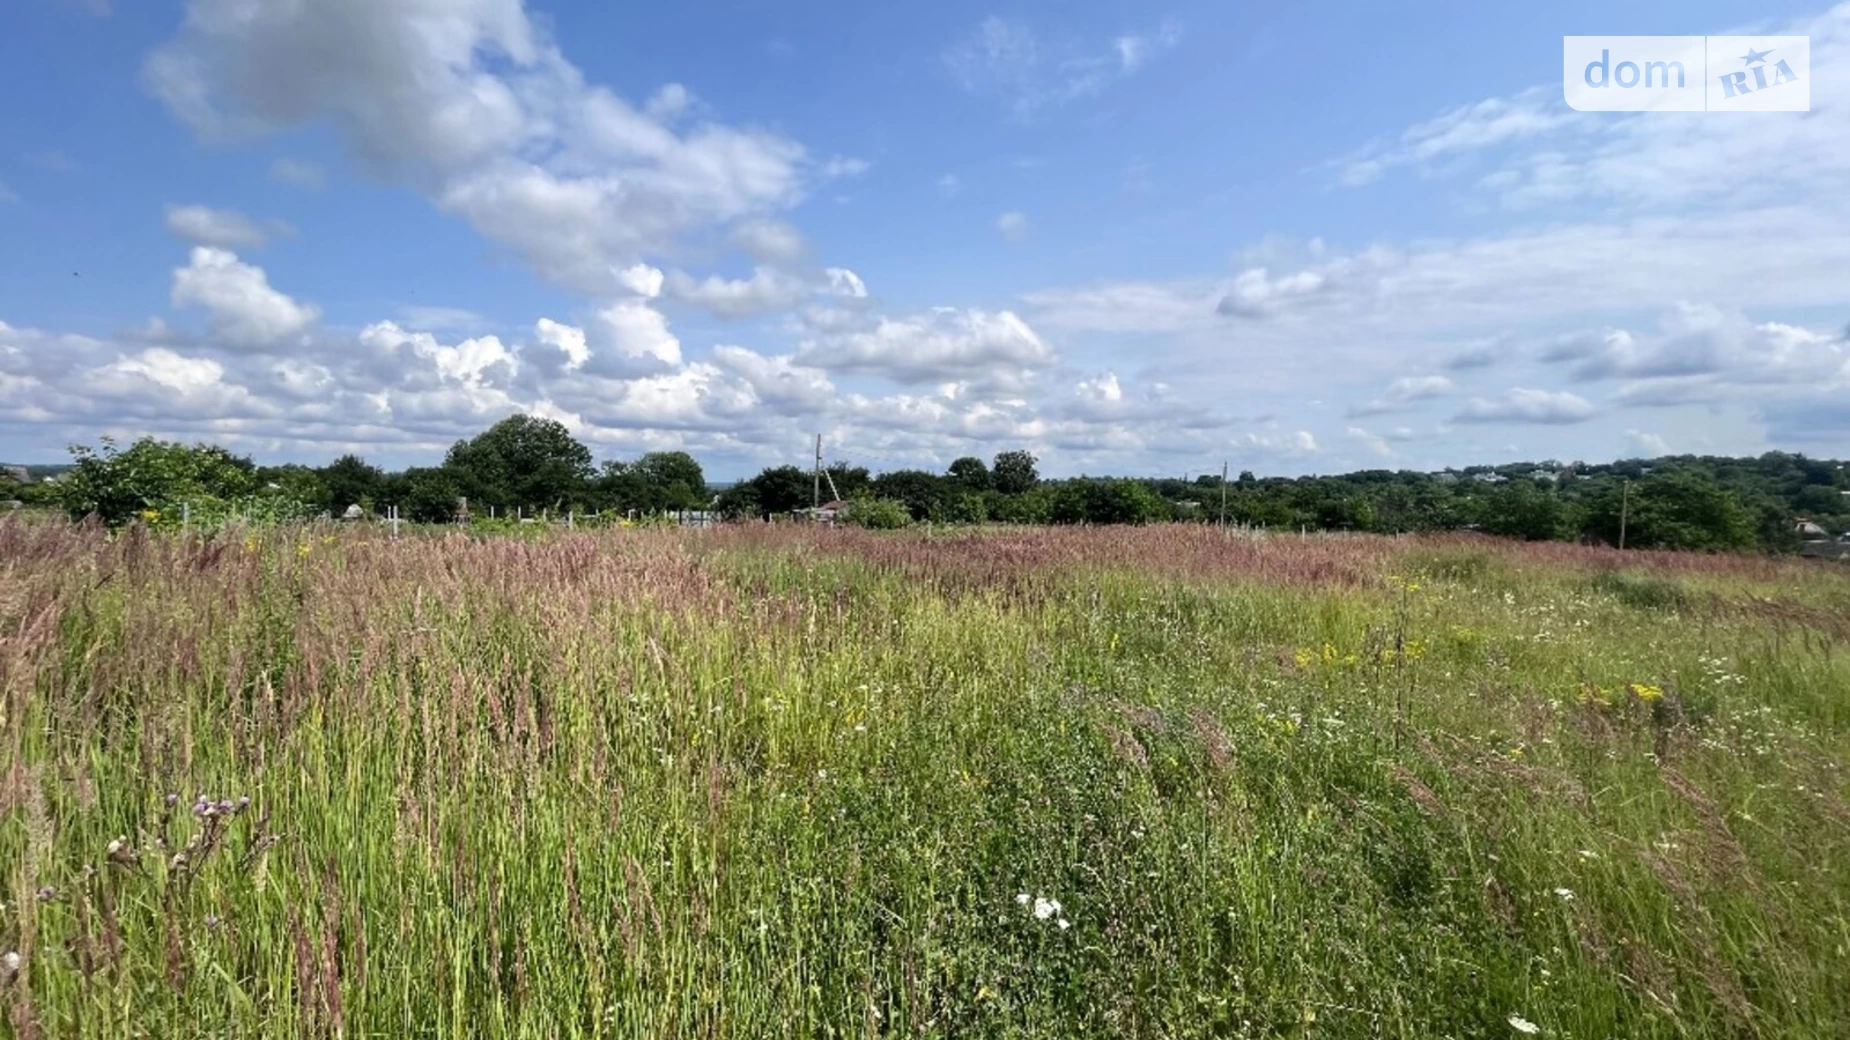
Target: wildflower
x: 47, y: 894
x: 1065, y: 924
x: 9, y: 964
x: 1524, y: 1026
x: 1588, y: 854
x: 1647, y: 692
x: 1045, y: 908
x: 1566, y: 894
x: 1023, y: 899
x: 172, y: 799
x: 1303, y: 658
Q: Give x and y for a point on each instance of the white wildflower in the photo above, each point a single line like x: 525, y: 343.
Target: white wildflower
x: 1523, y: 1025
x: 1045, y: 908
x: 10, y: 962
x: 1023, y: 899
x: 1588, y: 854
x: 1566, y: 894
x: 1065, y: 924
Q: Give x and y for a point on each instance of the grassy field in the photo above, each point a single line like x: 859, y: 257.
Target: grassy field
x: 772, y: 782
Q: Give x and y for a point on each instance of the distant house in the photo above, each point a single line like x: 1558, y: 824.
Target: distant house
x: 1810, y: 532
x: 826, y: 513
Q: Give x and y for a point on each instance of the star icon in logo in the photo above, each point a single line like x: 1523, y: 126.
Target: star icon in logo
x: 1753, y: 57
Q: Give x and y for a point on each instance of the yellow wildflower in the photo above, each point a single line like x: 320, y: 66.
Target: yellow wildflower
x: 1647, y: 692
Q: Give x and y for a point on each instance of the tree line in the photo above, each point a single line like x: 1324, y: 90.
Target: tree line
x: 527, y: 466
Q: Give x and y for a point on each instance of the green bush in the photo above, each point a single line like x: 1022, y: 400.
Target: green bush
x: 879, y: 514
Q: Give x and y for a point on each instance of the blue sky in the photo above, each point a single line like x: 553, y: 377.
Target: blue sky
x: 1135, y: 238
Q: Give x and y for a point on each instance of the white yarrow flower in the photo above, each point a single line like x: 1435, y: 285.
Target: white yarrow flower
x: 1523, y: 1025
x: 1045, y: 908
x: 1566, y: 894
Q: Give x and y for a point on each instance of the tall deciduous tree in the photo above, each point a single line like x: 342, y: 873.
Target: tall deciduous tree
x: 1014, y: 472
x: 969, y: 474
x: 350, y: 481
x: 522, y: 461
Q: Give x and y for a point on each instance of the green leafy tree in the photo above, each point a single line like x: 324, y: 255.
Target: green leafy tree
x: 675, y: 478
x: 658, y: 482
x: 150, y: 478
x: 1522, y: 509
x: 1677, y: 509
x: 522, y: 461
x: 923, y: 493
x: 850, y: 481
x: 776, y: 490
x: 295, y: 483
x: 966, y: 507
x: 1107, y: 502
x: 350, y: 481
x: 430, y: 495
x: 970, y: 474
x: 740, y: 502
x: 1014, y: 472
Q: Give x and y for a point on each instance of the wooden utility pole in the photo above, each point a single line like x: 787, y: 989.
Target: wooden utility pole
x: 1625, y: 508
x: 815, y: 491
x: 1223, y: 496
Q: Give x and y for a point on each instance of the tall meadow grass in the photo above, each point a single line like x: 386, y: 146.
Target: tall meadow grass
x: 777, y: 782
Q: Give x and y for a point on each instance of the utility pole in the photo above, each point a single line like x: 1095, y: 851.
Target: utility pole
x: 1625, y: 508
x: 1223, y: 496
x: 815, y: 492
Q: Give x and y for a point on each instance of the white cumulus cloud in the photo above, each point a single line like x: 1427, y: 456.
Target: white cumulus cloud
x: 242, y: 309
